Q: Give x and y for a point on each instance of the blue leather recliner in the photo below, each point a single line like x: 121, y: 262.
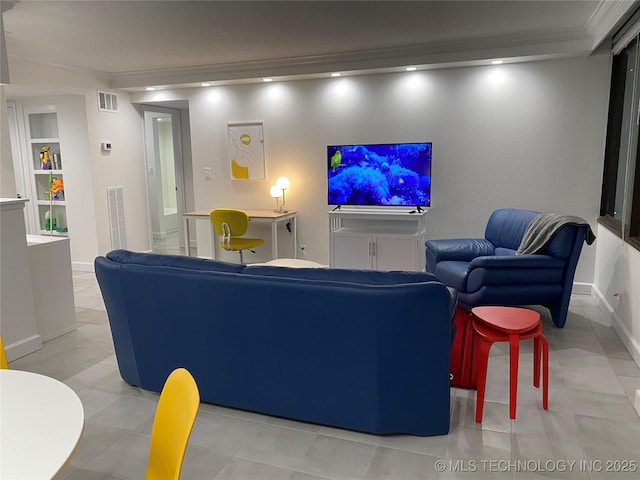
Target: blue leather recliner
x: 487, y: 271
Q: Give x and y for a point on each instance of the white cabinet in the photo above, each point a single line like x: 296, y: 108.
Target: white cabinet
x: 377, y: 239
x: 45, y: 162
x: 351, y: 250
x: 52, y: 281
x: 17, y: 312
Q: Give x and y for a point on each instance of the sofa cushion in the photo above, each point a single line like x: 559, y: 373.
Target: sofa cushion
x: 506, y: 227
x: 367, y: 277
x: 176, y: 261
x: 453, y: 274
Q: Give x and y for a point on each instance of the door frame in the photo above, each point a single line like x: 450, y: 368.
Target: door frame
x: 150, y: 112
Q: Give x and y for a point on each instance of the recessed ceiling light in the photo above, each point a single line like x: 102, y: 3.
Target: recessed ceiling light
x: 205, y: 84
x: 267, y: 79
x: 150, y: 89
x: 336, y: 74
x: 497, y: 62
x: 411, y: 69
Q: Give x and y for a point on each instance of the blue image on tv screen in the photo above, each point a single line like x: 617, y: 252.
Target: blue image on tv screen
x: 397, y: 174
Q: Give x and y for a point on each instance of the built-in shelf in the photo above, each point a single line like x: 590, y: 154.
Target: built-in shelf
x: 42, y: 133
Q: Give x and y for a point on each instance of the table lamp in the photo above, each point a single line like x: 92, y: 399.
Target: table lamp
x: 277, y: 192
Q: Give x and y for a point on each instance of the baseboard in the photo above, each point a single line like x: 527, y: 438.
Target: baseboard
x: 23, y: 347
x: 581, y: 288
x: 59, y: 333
x: 625, y: 335
x: 82, y: 266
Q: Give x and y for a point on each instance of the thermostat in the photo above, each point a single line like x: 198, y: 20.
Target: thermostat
x: 105, y: 146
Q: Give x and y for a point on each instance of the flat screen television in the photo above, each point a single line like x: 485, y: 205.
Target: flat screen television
x: 394, y: 174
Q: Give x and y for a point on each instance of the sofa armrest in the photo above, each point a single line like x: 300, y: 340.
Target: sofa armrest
x: 517, y: 261
x: 458, y: 249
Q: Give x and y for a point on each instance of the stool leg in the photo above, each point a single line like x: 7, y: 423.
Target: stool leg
x: 545, y: 372
x: 537, y: 349
x: 482, y: 359
x: 474, y: 363
x: 514, y: 352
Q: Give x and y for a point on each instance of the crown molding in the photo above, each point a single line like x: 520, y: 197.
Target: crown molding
x: 607, y: 17
x: 557, y: 43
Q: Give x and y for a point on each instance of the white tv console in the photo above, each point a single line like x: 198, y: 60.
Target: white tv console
x: 378, y: 239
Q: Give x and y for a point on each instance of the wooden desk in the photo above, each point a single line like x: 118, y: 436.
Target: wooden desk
x: 42, y: 422
x: 255, y: 216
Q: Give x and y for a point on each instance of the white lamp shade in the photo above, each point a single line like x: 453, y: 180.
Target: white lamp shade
x: 282, y: 183
x: 275, y: 191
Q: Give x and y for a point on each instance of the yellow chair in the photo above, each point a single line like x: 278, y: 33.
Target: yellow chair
x: 3, y: 356
x: 230, y: 225
x: 174, y: 419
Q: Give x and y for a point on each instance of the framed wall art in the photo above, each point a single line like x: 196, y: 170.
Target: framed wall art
x: 246, y: 151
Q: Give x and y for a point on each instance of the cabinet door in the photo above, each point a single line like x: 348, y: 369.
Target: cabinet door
x: 350, y: 250
x: 394, y: 252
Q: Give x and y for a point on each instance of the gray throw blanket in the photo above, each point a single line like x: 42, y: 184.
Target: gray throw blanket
x: 542, y: 229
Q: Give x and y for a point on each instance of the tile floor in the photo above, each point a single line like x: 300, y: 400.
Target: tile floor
x: 590, y: 430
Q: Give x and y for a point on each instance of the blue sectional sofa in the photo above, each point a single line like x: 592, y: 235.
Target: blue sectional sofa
x: 361, y: 350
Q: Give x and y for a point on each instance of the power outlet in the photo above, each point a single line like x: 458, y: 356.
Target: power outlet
x: 303, y: 250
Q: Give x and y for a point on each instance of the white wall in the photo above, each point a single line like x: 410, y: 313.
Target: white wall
x: 76, y: 93
x: 527, y: 135
x: 617, y: 287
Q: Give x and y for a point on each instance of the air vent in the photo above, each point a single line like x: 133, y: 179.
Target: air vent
x: 108, y: 102
x: 115, y: 201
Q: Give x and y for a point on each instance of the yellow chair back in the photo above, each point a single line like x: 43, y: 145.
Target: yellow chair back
x: 230, y: 224
x: 238, y: 221
x: 3, y: 356
x: 172, y: 425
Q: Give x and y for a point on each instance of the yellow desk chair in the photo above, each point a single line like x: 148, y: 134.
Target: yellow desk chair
x: 174, y: 419
x: 3, y: 356
x: 230, y: 225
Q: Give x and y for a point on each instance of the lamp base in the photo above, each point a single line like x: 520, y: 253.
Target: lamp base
x: 277, y: 210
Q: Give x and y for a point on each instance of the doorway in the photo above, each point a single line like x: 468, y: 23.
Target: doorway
x: 165, y: 178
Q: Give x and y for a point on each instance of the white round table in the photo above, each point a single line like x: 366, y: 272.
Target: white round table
x: 41, y: 421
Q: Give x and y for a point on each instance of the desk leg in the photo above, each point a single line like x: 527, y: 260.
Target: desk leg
x: 213, y: 241
x: 187, y: 237
x: 274, y: 240
x: 295, y: 237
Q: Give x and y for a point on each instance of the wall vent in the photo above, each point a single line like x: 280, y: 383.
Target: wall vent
x: 115, y: 201
x: 108, y: 102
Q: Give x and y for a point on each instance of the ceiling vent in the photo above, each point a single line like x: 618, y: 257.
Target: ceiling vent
x: 108, y: 102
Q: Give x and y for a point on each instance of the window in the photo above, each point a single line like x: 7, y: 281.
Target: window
x: 620, y: 203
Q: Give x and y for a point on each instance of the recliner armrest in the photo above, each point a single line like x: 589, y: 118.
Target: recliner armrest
x: 516, y: 261
x: 458, y: 249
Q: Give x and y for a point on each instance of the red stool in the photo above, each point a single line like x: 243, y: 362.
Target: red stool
x: 509, y: 324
